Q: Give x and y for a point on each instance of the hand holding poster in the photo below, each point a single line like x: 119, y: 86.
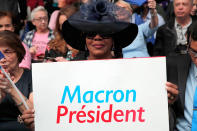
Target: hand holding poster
x: 124, y: 94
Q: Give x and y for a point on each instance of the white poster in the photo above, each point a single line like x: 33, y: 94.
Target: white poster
x: 121, y: 94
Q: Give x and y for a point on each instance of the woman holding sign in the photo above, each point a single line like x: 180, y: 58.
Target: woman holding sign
x: 11, y: 105
x: 99, y: 30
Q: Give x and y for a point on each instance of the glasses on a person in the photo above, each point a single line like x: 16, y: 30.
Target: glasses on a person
x: 192, y: 51
x: 40, y: 19
x: 8, y: 53
x: 91, y: 35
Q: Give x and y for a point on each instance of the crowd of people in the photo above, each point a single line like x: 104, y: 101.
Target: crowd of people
x: 40, y: 31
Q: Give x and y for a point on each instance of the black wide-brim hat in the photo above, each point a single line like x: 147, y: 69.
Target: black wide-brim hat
x: 102, y: 17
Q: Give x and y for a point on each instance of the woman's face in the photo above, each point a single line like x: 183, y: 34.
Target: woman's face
x: 194, y: 8
x: 62, y: 18
x: 10, y: 62
x: 125, y: 6
x: 6, y: 24
x: 41, y: 21
x: 99, y: 47
x: 61, y: 3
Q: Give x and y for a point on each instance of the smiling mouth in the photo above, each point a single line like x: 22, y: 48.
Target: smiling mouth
x: 98, y: 46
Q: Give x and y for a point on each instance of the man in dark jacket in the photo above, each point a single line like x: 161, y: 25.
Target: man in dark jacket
x: 171, y: 39
x: 182, y: 70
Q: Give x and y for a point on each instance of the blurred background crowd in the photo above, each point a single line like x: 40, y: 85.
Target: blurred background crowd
x: 24, y: 18
x: 29, y: 24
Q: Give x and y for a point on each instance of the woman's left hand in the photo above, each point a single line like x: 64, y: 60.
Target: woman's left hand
x: 28, y: 118
x: 173, y: 92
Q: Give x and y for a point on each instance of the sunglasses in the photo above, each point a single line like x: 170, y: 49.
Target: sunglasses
x: 93, y: 34
x: 193, y: 52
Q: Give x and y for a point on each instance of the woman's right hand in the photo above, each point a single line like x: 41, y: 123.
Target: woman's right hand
x: 5, y: 85
x: 28, y: 118
x: 33, y: 50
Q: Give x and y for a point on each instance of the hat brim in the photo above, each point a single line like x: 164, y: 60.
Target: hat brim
x: 89, y: 25
x: 75, y: 37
